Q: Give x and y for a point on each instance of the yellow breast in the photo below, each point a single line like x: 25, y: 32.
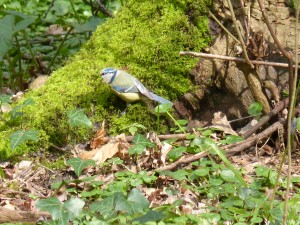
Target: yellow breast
x: 128, y: 97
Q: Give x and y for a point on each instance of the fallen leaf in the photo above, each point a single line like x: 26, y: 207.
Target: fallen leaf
x: 99, y: 138
x: 220, y: 122
x: 114, y: 146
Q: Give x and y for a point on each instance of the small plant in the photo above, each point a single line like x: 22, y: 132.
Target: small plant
x: 166, y: 108
x: 22, y: 135
x: 77, y: 118
x: 255, y: 109
x: 133, y: 128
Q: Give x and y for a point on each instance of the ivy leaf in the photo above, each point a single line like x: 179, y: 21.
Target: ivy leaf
x: 107, y: 206
x: 140, y: 144
x: 175, y: 153
x: 79, y: 164
x: 74, y: 207
x: 20, y: 136
x: 76, y: 117
x: 16, y: 110
x: 136, y: 149
x: 6, y: 34
x: 202, y: 172
x: 163, y: 108
x: 24, y: 23
x: 151, y: 215
x: 140, y: 139
x: 90, y: 25
x: 59, y: 211
x: 255, y: 109
x: 135, y: 203
x: 4, y: 98
x: 231, y: 139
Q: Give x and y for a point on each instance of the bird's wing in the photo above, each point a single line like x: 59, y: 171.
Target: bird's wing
x: 160, y: 99
x: 127, y: 89
x: 142, y: 89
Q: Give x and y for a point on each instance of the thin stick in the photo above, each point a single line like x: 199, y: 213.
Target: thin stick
x: 223, y: 27
x: 237, y: 59
x: 236, y: 25
x: 244, y: 145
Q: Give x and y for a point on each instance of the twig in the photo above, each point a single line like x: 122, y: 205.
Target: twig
x: 240, y: 147
x: 291, y: 115
x: 164, y: 137
x: 236, y: 25
x: 270, y: 28
x: 248, y: 143
x: 237, y: 59
x: 222, y: 26
x: 283, y: 104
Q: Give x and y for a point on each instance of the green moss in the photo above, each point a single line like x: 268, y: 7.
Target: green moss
x: 145, y: 38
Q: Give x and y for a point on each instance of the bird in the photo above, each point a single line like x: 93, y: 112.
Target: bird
x: 127, y: 87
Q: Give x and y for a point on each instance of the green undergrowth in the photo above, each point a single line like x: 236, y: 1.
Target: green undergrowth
x: 207, y: 191
x: 144, y: 38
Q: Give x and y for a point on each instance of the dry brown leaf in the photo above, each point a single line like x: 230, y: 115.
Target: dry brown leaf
x: 99, y: 138
x: 220, y: 122
x: 166, y: 148
x: 114, y: 146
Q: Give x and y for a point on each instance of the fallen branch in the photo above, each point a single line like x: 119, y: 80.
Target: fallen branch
x: 237, y: 59
x: 242, y: 146
x: 164, y: 137
x: 250, y: 142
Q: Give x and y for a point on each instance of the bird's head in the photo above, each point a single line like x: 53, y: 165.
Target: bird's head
x: 108, y: 74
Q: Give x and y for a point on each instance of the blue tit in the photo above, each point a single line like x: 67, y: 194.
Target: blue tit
x: 128, y: 87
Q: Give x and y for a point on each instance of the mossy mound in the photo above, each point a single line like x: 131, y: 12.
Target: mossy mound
x: 145, y: 38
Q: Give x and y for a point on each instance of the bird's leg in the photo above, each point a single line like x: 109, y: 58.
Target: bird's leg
x: 124, y: 111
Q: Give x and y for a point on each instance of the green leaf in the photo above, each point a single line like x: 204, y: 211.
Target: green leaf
x: 230, y: 139
x: 16, y: 110
x: 76, y: 117
x: 199, y: 142
x: 79, y: 164
x: 221, y: 154
x: 136, y: 149
x: 132, y: 130
x: 5, y: 98
x: 107, y: 206
x: 255, y: 109
x: 6, y: 34
x: 51, y: 205
x: 20, y: 136
x: 163, y: 108
x: 140, y: 144
x: 201, y: 172
x: 59, y: 211
x: 27, y: 102
x: 90, y: 25
x: 74, y: 207
x: 23, y: 24
x: 179, y: 175
x: 228, y: 175
x: 175, y: 153
x: 135, y: 203
x: 2, y: 174
x: 140, y: 139
x: 61, y: 7
x: 151, y: 215
x: 182, y: 122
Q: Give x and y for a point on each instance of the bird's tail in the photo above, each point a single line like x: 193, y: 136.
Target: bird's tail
x: 159, y: 99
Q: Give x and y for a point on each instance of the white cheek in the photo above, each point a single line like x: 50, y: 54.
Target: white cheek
x: 106, y: 78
